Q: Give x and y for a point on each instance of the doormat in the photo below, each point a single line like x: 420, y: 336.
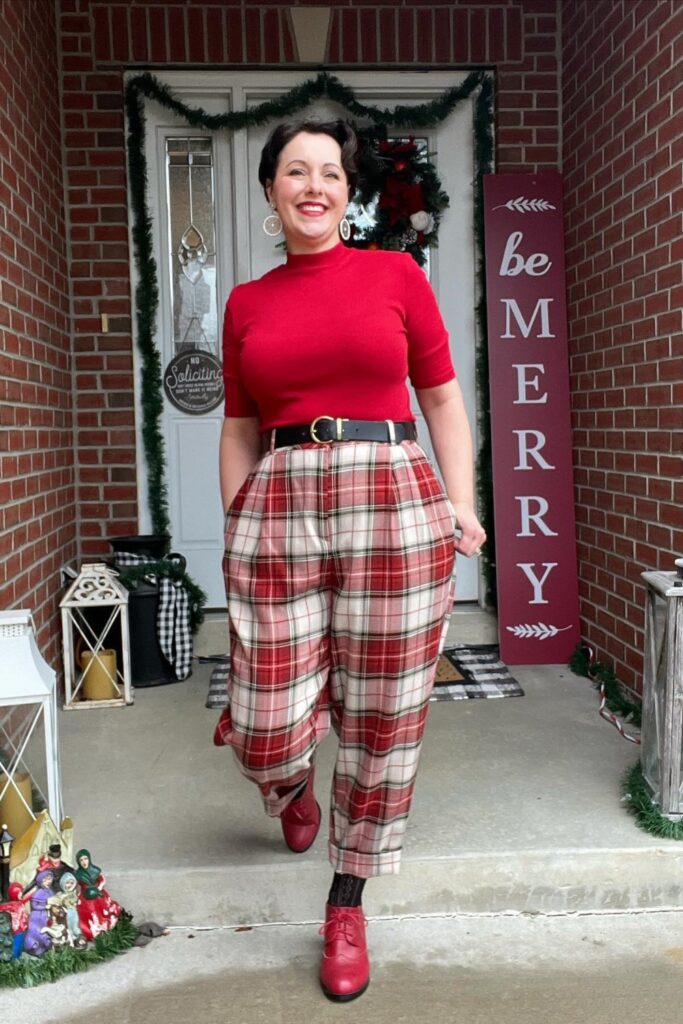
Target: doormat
x: 465, y: 673
x: 217, y: 698
x: 462, y: 673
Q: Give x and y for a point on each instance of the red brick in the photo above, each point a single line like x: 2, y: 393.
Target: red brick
x: 177, y: 34
x: 195, y: 35
x: 460, y: 36
x: 215, y: 36
x: 387, y: 35
x: 120, y: 34
x: 234, y: 35
x: 368, y: 36
x: 252, y: 22
x: 157, y: 34
x: 102, y: 41
x: 138, y: 28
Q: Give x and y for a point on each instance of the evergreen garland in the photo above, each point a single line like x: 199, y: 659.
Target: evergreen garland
x: 425, y: 115
x: 636, y: 794
x: 603, y: 675
x: 130, y: 576
x: 647, y: 814
x: 28, y: 971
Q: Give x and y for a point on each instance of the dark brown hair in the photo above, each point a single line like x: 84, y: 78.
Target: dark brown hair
x: 340, y: 131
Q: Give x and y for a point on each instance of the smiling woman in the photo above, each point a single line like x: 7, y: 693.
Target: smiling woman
x: 339, y: 539
x: 308, y: 173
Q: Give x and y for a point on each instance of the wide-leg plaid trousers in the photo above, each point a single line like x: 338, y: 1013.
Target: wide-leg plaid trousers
x: 338, y: 569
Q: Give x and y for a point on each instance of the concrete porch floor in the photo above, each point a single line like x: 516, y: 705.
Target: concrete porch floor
x: 517, y: 808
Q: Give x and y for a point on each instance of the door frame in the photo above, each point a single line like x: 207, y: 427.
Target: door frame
x: 216, y: 91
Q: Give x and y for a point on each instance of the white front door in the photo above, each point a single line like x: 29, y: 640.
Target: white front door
x: 208, y: 182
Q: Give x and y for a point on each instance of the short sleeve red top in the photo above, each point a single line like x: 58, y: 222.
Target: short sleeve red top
x: 336, y: 333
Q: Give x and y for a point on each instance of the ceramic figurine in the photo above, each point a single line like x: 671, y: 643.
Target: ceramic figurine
x: 37, y: 941
x: 68, y: 899
x: 51, y: 861
x: 16, y: 908
x: 56, y: 928
x: 97, y: 911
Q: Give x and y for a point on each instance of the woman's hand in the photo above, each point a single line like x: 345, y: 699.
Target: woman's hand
x: 472, y: 534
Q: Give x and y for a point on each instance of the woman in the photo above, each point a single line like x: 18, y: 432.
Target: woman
x: 97, y: 911
x: 339, y: 540
x: 37, y: 941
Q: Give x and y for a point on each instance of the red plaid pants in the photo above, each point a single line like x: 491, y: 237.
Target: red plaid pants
x: 338, y: 570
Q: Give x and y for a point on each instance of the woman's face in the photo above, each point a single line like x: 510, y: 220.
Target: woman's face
x: 310, y: 192
x: 84, y: 861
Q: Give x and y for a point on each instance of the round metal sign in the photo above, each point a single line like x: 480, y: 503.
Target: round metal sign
x: 193, y: 382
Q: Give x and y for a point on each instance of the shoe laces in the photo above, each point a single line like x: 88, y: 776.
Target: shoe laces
x: 344, y: 924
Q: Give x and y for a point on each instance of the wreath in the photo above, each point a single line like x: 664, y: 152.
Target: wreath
x: 399, y: 198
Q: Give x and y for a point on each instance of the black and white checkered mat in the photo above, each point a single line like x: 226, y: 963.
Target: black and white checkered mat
x: 467, y: 672
x: 463, y: 673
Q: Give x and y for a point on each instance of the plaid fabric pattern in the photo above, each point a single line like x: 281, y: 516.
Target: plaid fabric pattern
x: 173, y: 617
x: 338, y: 570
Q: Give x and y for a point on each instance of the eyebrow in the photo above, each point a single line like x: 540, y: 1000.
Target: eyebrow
x: 297, y: 160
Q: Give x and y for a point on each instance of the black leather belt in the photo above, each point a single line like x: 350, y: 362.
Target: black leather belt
x: 326, y: 429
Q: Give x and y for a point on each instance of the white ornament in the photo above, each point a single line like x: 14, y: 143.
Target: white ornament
x: 422, y: 221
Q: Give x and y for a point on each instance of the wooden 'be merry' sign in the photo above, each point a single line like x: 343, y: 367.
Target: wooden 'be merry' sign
x: 530, y: 418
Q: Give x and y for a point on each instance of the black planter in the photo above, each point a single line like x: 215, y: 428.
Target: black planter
x: 148, y: 666
x: 147, y: 544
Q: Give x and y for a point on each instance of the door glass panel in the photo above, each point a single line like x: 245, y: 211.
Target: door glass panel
x: 191, y: 214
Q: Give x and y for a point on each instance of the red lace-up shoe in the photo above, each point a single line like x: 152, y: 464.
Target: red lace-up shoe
x: 301, y: 819
x: 345, y: 968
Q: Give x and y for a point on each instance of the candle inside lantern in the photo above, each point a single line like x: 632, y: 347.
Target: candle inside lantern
x: 12, y: 809
x: 99, y: 675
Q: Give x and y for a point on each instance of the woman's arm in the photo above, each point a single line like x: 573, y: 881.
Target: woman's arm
x: 240, y: 449
x: 449, y: 430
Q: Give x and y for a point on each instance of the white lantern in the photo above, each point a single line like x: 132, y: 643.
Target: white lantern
x: 662, y: 729
x: 29, y: 763
x: 96, y: 640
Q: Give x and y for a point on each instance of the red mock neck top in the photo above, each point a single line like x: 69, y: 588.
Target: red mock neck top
x: 335, y: 333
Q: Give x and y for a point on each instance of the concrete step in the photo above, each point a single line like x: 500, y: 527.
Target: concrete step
x: 517, y: 808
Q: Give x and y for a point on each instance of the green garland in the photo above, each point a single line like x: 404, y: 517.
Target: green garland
x: 425, y: 115
x: 602, y: 675
x: 132, y: 575
x: 647, y: 815
x: 28, y: 971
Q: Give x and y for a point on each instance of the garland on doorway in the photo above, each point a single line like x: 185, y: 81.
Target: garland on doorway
x: 477, y: 84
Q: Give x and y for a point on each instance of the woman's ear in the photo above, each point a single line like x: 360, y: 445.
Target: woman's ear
x: 269, y: 192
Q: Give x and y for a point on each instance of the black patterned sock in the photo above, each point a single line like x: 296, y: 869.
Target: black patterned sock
x: 346, y: 891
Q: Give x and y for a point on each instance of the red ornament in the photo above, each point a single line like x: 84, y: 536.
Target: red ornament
x: 400, y: 166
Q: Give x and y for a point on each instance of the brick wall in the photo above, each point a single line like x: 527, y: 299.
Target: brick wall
x: 99, y: 40
x: 37, y: 504
x: 623, y: 167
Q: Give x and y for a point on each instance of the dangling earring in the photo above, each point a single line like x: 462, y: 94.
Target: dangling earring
x: 345, y: 229
x: 272, y: 225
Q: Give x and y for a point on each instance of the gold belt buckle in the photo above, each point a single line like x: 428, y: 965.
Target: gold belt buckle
x: 332, y: 419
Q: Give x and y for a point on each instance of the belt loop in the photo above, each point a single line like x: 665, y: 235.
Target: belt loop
x: 392, y: 431
x: 271, y: 447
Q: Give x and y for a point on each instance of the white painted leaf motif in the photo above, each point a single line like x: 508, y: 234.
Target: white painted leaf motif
x: 523, y: 205
x: 536, y: 631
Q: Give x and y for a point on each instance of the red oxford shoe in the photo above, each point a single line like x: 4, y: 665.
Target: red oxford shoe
x: 301, y: 819
x: 345, y: 968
